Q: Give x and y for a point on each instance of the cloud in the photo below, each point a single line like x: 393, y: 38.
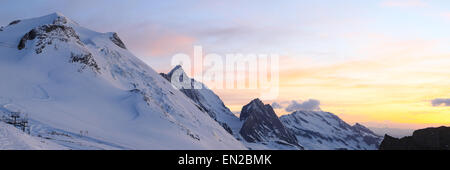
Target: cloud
x: 276, y: 105
x: 157, y: 40
x: 440, y: 102
x: 309, y: 105
x: 404, y: 3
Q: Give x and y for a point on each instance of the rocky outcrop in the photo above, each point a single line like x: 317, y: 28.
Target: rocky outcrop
x: 28, y: 36
x: 14, y: 22
x: 47, y: 34
x: 261, y: 124
x: 52, y: 34
x: 116, y: 40
x: 423, y: 139
x: 86, y: 59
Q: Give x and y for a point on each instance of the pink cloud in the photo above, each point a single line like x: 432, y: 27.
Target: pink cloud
x: 169, y: 44
x: 157, y: 41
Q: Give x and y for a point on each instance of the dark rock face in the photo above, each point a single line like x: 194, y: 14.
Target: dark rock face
x: 14, y: 22
x: 116, y: 40
x: 262, y: 124
x: 51, y: 34
x: 423, y: 139
x: 28, y: 36
x: 47, y: 34
x: 86, y: 59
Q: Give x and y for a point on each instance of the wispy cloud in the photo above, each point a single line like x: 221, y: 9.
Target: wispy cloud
x: 291, y: 106
x: 276, y: 105
x: 440, y: 102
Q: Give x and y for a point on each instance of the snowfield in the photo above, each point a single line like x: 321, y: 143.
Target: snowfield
x: 13, y: 138
x: 83, y: 89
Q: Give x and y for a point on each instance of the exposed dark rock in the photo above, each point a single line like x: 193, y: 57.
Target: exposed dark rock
x: 116, y: 40
x: 85, y: 59
x: 14, y: 22
x: 46, y: 34
x: 423, y: 139
x: 28, y: 36
x: 262, y: 124
x: 165, y: 76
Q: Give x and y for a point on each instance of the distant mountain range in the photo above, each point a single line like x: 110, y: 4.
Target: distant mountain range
x: 395, y: 132
x: 82, y: 89
x: 258, y: 126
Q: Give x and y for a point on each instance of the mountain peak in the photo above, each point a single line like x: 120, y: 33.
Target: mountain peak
x: 178, y: 70
x: 56, y: 15
x: 56, y: 18
x: 255, y: 105
x: 257, y: 101
x: 177, y: 67
x: 261, y: 124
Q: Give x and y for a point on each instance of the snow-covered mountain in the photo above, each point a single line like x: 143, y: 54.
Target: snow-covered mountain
x: 262, y: 125
x: 318, y: 130
x: 245, y: 128
x: 84, y: 90
x: 208, y: 101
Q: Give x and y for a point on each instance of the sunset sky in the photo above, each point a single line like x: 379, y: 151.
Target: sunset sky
x: 378, y: 62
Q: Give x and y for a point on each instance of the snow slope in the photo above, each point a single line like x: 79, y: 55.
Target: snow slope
x: 209, y: 102
x: 318, y: 130
x: 13, y: 138
x: 84, y: 90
